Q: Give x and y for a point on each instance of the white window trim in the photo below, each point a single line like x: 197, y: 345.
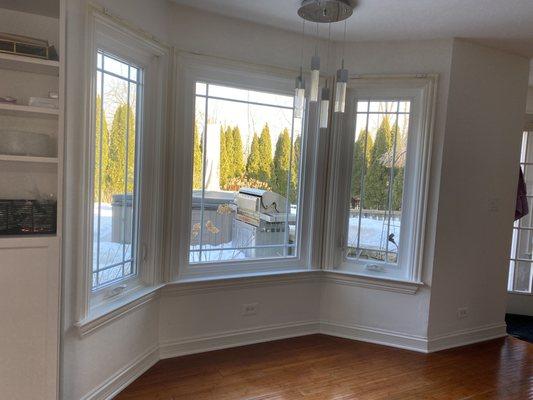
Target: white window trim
x: 420, y: 88
x: 117, y: 37
x: 192, y: 68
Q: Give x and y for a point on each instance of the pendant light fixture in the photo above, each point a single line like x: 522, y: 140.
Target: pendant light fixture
x: 324, y: 11
x: 315, y: 72
x: 299, y: 87
x: 342, y: 81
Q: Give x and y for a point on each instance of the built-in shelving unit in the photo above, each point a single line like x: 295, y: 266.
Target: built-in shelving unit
x: 31, y: 263
x: 29, y: 64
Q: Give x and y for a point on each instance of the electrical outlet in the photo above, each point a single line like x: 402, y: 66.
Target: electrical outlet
x: 249, y: 309
x: 462, y: 313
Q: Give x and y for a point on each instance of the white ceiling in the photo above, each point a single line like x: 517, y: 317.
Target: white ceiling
x: 510, y: 22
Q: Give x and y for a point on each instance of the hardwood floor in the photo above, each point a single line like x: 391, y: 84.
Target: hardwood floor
x: 323, y: 367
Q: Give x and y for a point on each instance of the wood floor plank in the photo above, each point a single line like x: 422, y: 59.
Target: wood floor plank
x: 319, y: 367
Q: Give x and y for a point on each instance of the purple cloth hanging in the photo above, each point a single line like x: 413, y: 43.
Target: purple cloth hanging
x: 522, y: 208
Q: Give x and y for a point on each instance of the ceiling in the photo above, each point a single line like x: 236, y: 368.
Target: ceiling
x: 508, y: 22
x: 49, y: 8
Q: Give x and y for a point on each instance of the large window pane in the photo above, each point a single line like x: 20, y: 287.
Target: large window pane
x: 377, y: 179
x: 246, y: 161
x: 115, y: 186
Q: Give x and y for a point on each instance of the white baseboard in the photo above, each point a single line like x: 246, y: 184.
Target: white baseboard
x: 375, y: 335
x: 236, y: 338
x: 467, y: 336
x: 120, y: 380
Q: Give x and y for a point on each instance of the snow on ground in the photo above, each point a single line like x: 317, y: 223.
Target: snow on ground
x: 373, y: 233
x: 373, y: 236
x: 109, y: 252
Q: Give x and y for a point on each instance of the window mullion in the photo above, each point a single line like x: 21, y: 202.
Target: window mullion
x: 102, y: 116
x: 363, y: 175
x: 391, y: 181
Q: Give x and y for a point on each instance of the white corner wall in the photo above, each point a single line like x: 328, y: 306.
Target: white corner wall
x: 485, y: 111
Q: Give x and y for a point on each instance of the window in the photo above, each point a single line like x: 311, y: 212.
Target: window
x: 115, y: 194
x: 246, y: 170
x: 379, y: 178
x: 245, y: 175
x: 521, y: 270
x: 123, y: 163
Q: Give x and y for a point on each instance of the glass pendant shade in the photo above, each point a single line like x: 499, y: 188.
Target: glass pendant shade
x: 324, y: 108
x: 340, y: 90
x: 315, y: 77
x: 299, y: 97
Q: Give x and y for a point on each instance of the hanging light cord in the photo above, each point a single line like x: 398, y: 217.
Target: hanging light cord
x: 343, y: 44
x: 316, y: 40
x: 302, y: 50
x: 329, y: 40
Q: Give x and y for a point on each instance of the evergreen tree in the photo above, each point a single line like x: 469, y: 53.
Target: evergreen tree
x: 228, y: 136
x: 115, y: 168
x: 101, y: 155
x: 265, y: 155
x: 377, y: 178
x: 238, y: 153
x: 253, y: 164
x: 361, y: 161
x: 399, y: 161
x: 397, y: 189
x: 197, y: 159
x: 224, y: 162
x: 281, y: 163
x: 295, y: 169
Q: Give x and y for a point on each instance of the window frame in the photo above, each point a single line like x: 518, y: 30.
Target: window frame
x: 116, y: 38
x: 191, y: 69
x: 518, y: 229
x: 420, y: 90
x: 132, y: 280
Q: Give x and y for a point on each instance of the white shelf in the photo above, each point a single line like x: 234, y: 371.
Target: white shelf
x: 29, y: 64
x: 29, y: 159
x: 13, y: 109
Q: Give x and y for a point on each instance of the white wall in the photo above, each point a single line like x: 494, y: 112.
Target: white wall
x: 203, y: 318
x: 484, y: 119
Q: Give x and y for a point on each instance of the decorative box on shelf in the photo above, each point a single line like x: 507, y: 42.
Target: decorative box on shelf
x: 28, y: 217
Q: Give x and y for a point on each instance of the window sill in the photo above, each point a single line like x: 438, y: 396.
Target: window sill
x: 373, y: 282
x: 115, y: 309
